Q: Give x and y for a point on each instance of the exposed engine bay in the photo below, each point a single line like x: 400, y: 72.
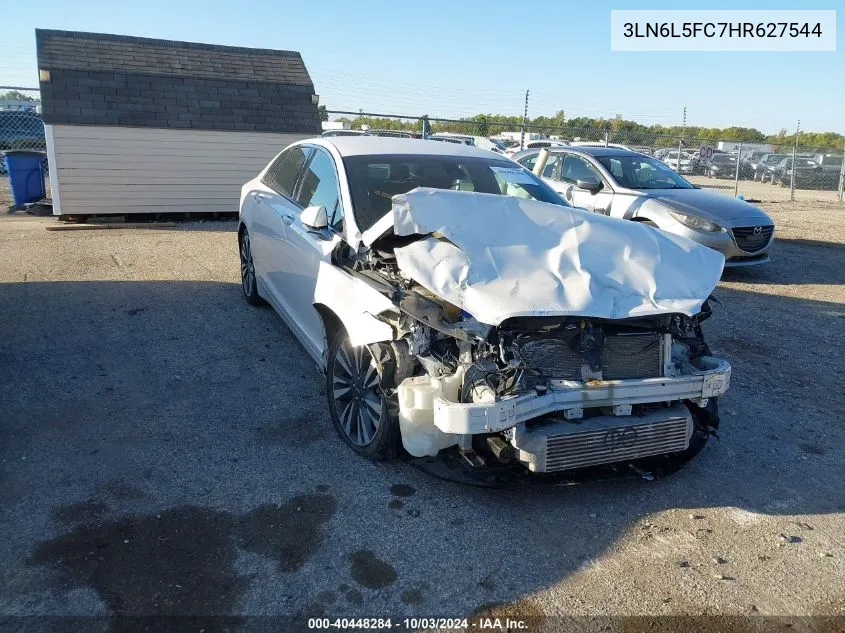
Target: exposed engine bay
x: 546, y: 388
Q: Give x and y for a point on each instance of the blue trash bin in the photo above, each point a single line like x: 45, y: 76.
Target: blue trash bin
x: 26, y: 175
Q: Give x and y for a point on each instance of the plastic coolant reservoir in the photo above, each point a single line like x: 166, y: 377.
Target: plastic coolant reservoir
x: 416, y: 413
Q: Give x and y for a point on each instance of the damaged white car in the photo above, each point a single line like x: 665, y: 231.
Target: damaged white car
x: 459, y: 307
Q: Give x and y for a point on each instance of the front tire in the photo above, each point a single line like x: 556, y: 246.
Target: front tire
x: 362, y: 414
x: 249, y: 283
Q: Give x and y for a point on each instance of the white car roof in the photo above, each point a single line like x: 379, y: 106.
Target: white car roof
x: 363, y: 145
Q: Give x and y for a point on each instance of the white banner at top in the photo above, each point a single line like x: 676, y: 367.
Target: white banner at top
x: 721, y: 30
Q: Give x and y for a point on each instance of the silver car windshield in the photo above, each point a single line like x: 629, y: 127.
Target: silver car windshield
x: 641, y: 172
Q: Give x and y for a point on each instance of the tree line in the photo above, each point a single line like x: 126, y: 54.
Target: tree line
x: 617, y: 130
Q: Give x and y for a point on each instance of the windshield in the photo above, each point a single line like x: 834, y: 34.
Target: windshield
x: 374, y: 180
x: 724, y: 158
x: 641, y: 172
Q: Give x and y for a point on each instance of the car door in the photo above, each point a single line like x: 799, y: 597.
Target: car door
x: 305, y: 248
x: 271, y: 207
x: 576, y: 168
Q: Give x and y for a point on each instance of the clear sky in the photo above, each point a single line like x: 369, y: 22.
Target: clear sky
x: 453, y: 58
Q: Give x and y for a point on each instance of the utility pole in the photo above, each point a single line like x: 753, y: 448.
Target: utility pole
x: 524, y: 122
x: 792, y: 174
x: 681, y: 141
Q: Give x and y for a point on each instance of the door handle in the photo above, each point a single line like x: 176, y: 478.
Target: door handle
x: 287, y: 219
x: 259, y: 197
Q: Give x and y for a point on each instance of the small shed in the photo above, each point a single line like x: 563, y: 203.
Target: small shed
x: 137, y: 125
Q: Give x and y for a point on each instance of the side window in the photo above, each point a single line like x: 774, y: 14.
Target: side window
x: 319, y: 188
x: 529, y: 161
x: 616, y: 169
x: 549, y: 170
x: 576, y: 168
x: 281, y: 177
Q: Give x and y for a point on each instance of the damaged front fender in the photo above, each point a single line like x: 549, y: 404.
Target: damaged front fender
x: 356, y: 304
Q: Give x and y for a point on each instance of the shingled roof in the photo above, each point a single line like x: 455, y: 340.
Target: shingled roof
x: 98, y: 79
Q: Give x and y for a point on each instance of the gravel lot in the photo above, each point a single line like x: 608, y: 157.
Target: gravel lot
x: 165, y: 449
x: 764, y: 191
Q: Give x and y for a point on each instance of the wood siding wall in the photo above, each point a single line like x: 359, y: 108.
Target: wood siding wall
x: 100, y: 170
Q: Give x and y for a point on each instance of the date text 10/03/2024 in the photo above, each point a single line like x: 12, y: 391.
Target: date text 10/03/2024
x: 481, y: 623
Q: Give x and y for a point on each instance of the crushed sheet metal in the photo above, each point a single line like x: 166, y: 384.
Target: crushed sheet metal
x: 355, y: 303
x: 499, y: 257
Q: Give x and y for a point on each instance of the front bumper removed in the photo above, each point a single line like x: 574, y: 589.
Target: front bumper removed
x: 571, y: 398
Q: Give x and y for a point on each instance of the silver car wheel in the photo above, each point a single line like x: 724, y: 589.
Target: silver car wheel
x: 355, y: 391
x: 247, y: 267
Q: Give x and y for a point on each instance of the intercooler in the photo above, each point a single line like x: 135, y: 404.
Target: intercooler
x: 605, y: 439
x: 623, y: 356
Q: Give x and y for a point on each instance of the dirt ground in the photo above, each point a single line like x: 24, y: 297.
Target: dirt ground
x: 165, y: 450
x: 764, y: 191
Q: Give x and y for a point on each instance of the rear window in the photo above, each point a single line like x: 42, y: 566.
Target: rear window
x: 374, y: 180
x: 282, y: 175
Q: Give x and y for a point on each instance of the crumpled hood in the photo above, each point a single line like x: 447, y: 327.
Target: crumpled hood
x: 498, y: 257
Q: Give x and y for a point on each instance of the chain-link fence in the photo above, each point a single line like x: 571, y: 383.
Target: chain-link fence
x: 760, y: 171
x: 21, y: 128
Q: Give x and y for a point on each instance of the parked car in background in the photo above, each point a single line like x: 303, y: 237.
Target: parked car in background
x: 805, y: 171
x: 536, y: 144
x: 392, y: 133
x: 598, y: 144
x: 458, y: 140
x: 330, y: 133
x: 481, y: 142
x: 643, y: 150
x: 831, y: 168
x: 461, y: 309
x: 721, y: 166
x: 765, y: 166
x: 506, y: 143
x: 751, y: 160
x: 628, y: 185
x: 686, y: 165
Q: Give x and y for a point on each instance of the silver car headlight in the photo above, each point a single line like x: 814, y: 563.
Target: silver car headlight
x: 697, y: 223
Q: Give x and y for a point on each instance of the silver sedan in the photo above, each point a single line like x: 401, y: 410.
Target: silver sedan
x: 629, y: 185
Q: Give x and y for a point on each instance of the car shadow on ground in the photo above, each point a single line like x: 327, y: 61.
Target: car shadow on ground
x: 166, y: 450
x: 795, y: 262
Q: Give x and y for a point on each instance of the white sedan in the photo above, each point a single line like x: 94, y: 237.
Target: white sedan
x: 426, y: 280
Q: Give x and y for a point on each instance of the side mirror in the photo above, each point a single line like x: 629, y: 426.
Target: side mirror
x: 590, y: 183
x: 314, y: 218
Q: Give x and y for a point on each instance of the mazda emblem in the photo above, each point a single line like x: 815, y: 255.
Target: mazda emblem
x: 758, y: 230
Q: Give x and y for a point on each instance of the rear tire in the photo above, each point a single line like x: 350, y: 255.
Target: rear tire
x: 362, y: 415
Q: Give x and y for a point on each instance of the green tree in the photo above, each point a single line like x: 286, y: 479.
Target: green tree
x: 16, y: 95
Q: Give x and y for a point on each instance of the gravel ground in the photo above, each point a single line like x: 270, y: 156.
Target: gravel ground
x: 764, y: 191
x: 165, y: 449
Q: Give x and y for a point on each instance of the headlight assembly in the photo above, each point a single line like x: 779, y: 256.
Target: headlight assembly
x: 697, y: 223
